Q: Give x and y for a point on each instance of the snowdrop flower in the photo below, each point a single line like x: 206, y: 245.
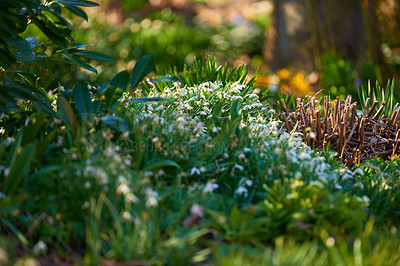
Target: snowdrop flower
x: 358, y: 171
x: 40, y: 248
x: 148, y: 173
x: 195, y: 171
x: 364, y: 199
x: 122, y: 189
x: 359, y: 185
x: 126, y: 216
x: 87, y: 185
x: 130, y: 197
x: 210, y: 187
x: 242, y: 191
x: 152, y: 197
x: 241, y: 156
x: 85, y: 205
x: 239, y: 167
x: 249, y: 182
x: 197, y: 210
x: 246, y: 150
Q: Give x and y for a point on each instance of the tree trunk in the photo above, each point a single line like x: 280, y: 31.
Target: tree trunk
x: 303, y: 29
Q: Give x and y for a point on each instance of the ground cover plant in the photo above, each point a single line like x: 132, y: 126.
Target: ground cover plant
x: 189, y: 168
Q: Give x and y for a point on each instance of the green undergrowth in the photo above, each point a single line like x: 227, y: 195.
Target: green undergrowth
x: 186, y: 169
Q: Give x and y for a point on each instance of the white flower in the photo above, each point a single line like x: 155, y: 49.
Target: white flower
x: 87, y: 185
x: 239, y: 167
x: 148, y: 173
x: 9, y: 141
x: 195, y: 171
x: 40, y: 248
x: 123, y: 189
x: 358, y: 171
x: 130, y: 197
x: 241, y: 156
x: 242, y: 191
x: 154, y: 140
x: 197, y: 210
x: 364, y: 199
x: 246, y: 150
x: 85, y: 205
x: 2, y: 195
x: 210, y: 187
x: 152, y: 201
x: 249, y: 182
x: 126, y: 216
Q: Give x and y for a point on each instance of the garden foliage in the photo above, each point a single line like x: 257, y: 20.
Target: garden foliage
x: 189, y: 168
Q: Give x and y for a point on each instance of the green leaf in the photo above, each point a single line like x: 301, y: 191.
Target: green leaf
x: 19, y: 169
x: 115, y: 122
x: 77, y: 11
x: 95, y: 56
x: 152, y: 99
x: 22, y: 46
x: 79, y: 62
x: 142, y: 69
x: 235, y: 110
x: 10, y: 204
x: 116, y: 87
x: 83, y: 101
x: 165, y: 79
x: 162, y: 164
x: 32, y: 130
x: 14, y: 149
x: 64, y: 108
x: 15, y: 231
x: 44, y: 144
x: 78, y: 2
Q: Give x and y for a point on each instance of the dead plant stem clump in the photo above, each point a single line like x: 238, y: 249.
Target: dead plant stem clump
x: 353, y: 135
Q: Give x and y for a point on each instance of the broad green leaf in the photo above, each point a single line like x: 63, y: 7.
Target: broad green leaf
x: 142, y: 69
x: 9, y: 204
x: 115, y: 122
x: 15, y: 149
x: 78, y: 2
x: 116, y: 87
x: 152, y: 99
x: 162, y: 164
x: 79, y: 62
x: 235, y: 110
x: 32, y: 130
x: 27, y: 76
x: 65, y: 109
x: 95, y: 56
x: 83, y: 101
x: 44, y: 144
x: 74, y: 45
x: 22, y: 46
x: 19, y: 169
x: 77, y: 11
x: 165, y: 79
x: 15, y: 231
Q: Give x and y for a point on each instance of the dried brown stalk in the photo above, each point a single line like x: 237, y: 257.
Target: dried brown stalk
x: 354, y: 137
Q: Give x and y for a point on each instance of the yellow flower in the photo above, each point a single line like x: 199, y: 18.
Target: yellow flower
x: 298, y: 84
x: 283, y: 73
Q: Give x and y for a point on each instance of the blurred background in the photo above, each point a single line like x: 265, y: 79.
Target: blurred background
x: 299, y: 46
